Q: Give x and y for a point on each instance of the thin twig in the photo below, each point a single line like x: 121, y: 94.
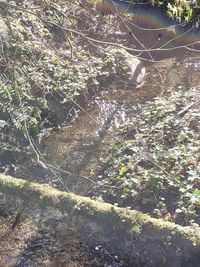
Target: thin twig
x: 186, y: 109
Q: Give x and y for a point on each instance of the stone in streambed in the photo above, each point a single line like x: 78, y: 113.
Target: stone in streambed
x: 125, y: 68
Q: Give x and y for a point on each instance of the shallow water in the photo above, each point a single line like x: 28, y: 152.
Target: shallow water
x: 80, y: 146
x: 75, y: 152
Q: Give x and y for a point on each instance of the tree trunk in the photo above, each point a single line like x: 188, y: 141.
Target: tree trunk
x: 128, y: 233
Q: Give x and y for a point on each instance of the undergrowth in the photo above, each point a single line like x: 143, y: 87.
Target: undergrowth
x: 157, y: 168
x: 42, y: 68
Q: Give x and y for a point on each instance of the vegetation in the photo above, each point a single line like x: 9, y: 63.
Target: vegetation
x: 41, y: 55
x: 183, y: 11
x: 49, y: 60
x: 157, y: 167
x: 43, y: 68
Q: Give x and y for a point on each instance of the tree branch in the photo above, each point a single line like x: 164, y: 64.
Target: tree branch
x: 99, y: 41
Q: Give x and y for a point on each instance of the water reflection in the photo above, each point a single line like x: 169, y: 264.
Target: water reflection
x: 150, y: 28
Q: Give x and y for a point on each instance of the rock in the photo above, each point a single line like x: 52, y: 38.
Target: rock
x: 136, y: 71
x: 127, y: 68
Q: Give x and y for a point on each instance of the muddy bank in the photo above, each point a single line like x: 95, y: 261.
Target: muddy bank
x: 41, y: 238
x: 121, y: 231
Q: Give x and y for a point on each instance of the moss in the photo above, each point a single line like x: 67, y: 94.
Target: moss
x: 103, y: 213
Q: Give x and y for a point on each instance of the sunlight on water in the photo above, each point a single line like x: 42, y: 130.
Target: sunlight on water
x: 110, y: 113
x: 195, y: 65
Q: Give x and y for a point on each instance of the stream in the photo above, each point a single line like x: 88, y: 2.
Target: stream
x: 73, y: 156
x: 80, y: 146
